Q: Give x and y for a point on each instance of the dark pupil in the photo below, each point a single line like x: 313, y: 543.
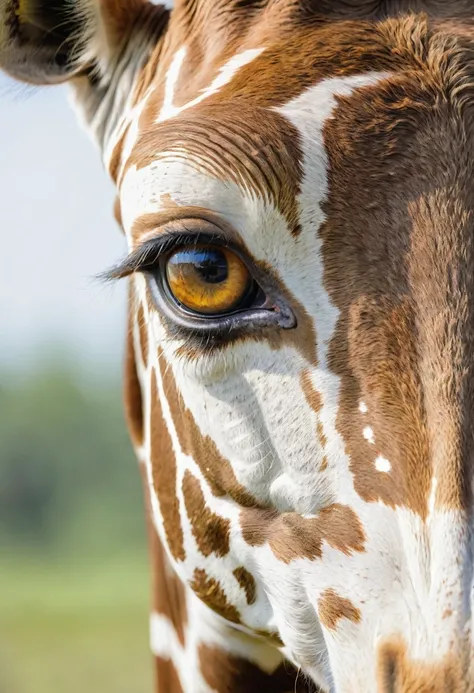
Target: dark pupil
x: 210, y: 264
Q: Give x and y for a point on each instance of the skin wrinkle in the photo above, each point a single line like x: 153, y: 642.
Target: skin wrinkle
x: 216, y: 470
x: 302, y: 338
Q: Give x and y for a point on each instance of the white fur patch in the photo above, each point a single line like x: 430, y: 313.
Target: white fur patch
x: 432, y: 497
x: 382, y: 464
x: 164, y: 640
x: 224, y: 76
x: 369, y: 435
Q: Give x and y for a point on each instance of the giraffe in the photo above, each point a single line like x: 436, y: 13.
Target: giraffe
x: 294, y: 183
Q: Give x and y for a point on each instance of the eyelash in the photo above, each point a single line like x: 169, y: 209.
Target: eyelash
x: 269, y: 310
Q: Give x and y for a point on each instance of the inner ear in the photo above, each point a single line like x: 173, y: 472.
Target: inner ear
x: 50, y: 41
x: 40, y: 39
x: 43, y: 22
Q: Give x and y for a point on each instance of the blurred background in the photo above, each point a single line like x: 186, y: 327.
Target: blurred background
x: 73, y: 564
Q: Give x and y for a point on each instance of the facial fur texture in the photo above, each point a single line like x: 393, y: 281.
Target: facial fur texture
x: 308, y: 489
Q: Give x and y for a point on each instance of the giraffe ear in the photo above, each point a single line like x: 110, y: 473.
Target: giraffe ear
x: 47, y: 42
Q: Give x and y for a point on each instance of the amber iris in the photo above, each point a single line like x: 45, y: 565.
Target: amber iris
x: 207, y: 279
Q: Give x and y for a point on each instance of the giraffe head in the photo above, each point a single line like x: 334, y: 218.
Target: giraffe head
x: 294, y: 180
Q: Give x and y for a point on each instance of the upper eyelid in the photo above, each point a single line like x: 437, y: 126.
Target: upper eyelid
x: 151, y: 250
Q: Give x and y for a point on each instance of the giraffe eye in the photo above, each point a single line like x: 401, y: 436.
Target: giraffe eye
x: 209, y: 279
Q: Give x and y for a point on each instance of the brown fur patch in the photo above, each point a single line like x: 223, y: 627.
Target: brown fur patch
x: 382, y: 349
x: 169, y: 595
x: 442, y: 284
x: 164, y: 476
x: 118, y: 212
x: 119, y: 16
x: 132, y: 388
x: 143, y: 333
x: 406, y: 326
x: 247, y: 581
x: 332, y: 608
x: 212, y: 594
x: 115, y: 161
x: 210, y: 531
x: 291, y: 536
x: 397, y: 673
x: 376, y: 333
x: 168, y: 592
x: 167, y: 676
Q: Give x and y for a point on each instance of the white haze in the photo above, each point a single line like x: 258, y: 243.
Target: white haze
x: 57, y: 231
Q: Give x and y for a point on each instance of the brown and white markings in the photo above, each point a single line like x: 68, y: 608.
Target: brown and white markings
x: 294, y: 179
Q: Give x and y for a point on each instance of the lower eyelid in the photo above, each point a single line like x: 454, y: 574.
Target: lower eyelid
x: 223, y: 328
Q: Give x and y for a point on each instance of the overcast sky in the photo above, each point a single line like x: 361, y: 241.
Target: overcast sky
x: 57, y: 231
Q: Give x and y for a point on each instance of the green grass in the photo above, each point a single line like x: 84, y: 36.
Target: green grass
x: 74, y: 628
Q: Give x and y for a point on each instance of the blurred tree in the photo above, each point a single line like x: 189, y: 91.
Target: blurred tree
x: 67, y: 471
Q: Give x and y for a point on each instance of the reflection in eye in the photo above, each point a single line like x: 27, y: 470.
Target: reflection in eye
x: 207, y: 279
